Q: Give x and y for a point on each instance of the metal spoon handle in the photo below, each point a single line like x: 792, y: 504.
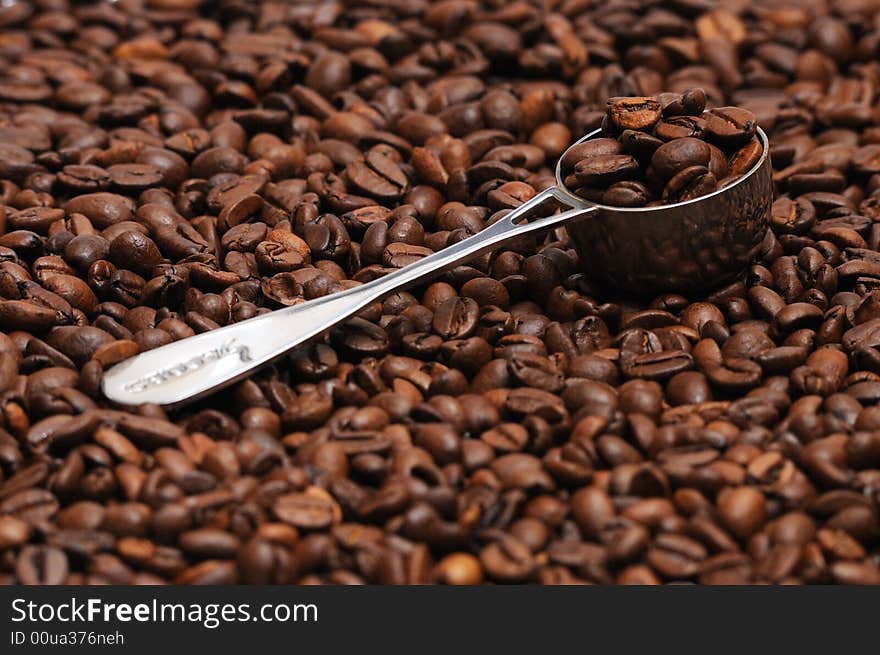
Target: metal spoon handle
x: 193, y: 367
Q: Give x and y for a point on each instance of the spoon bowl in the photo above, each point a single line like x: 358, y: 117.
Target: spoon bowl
x: 684, y: 247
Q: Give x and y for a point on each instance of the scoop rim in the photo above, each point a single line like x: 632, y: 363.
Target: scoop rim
x: 578, y: 201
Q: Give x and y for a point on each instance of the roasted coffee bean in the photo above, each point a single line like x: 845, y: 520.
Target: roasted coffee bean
x: 508, y: 560
x: 307, y: 510
x: 41, y: 565
x: 681, y: 157
x: 135, y: 251
x: 13, y: 532
x: 634, y: 113
x: 746, y: 157
x: 627, y: 194
x: 673, y: 157
x: 378, y: 176
x: 680, y: 127
x: 27, y: 315
x: 690, y: 183
x: 640, y: 145
x: 535, y: 371
x: 730, y: 126
x: 676, y: 556
x: 742, y: 510
x: 456, y: 318
x: 588, y: 149
x: 601, y: 170
x: 459, y: 569
x: 511, y: 422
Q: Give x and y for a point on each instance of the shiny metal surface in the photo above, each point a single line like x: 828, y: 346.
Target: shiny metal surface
x: 193, y: 367
x: 682, y: 247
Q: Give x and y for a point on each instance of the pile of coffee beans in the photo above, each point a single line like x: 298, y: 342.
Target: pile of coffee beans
x: 170, y: 166
x: 663, y: 150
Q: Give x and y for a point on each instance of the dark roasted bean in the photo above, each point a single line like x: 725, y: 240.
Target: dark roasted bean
x: 41, y: 565
x: 681, y: 157
x: 170, y: 168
